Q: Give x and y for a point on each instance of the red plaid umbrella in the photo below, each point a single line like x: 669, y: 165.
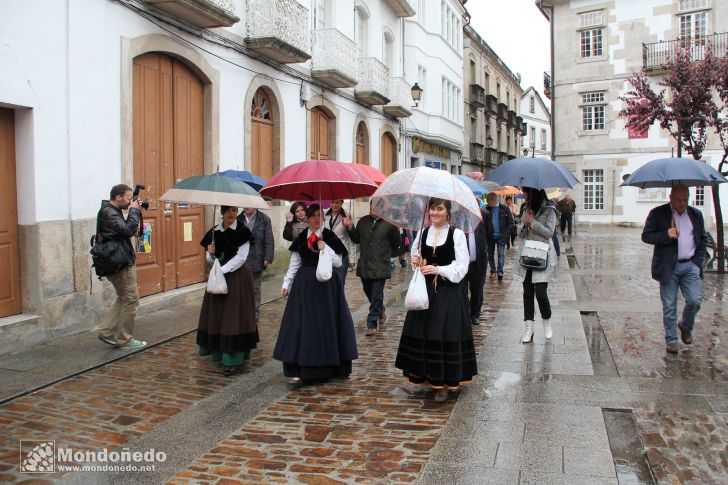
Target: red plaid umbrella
x: 318, y: 180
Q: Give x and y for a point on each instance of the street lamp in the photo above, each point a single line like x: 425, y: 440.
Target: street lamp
x: 525, y: 152
x: 416, y: 92
x: 489, y: 142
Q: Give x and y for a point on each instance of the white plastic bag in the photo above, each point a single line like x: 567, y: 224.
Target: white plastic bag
x: 216, y: 283
x: 325, y: 267
x: 417, y: 298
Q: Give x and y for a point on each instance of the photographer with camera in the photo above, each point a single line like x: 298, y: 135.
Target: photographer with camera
x: 114, y: 258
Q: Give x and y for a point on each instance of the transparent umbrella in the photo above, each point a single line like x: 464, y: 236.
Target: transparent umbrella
x: 403, y: 198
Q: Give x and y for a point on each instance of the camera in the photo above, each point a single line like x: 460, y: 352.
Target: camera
x: 144, y: 203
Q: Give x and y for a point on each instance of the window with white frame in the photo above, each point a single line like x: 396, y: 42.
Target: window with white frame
x: 531, y: 104
x: 421, y: 11
x: 693, y: 28
x: 591, y: 33
x: 362, y: 33
x: 532, y: 137
x: 692, y: 4
x: 450, y: 26
x: 543, y: 139
x: 319, y: 14
x: 700, y: 196
x: 451, y: 100
x: 422, y: 82
x: 593, y: 107
x: 593, y: 189
x: 388, y: 54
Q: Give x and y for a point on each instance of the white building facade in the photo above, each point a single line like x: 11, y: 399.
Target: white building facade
x: 99, y: 92
x: 434, y: 59
x: 598, y: 45
x: 536, y: 124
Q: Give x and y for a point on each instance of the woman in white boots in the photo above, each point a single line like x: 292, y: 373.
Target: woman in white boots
x: 537, y: 224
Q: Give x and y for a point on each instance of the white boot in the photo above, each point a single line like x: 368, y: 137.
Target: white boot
x: 528, y: 336
x: 548, y: 332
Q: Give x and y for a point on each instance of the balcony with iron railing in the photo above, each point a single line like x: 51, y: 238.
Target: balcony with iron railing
x: 373, y: 85
x: 477, y: 152
x: 278, y: 29
x: 333, y: 61
x: 201, y: 13
x: 400, y: 101
x: 547, y: 84
x: 477, y: 95
x: 491, y: 105
x: 519, y: 125
x: 511, y: 119
x: 491, y: 157
x: 502, y: 112
x: 402, y: 8
x: 658, y: 55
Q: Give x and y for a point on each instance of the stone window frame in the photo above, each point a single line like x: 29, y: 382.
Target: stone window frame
x: 585, y: 102
x: 592, y: 28
x: 594, y: 184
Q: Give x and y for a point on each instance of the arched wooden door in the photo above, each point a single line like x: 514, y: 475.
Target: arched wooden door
x: 10, y: 302
x: 320, y: 148
x: 262, y: 135
x: 388, y: 162
x: 168, y: 146
x: 362, y: 144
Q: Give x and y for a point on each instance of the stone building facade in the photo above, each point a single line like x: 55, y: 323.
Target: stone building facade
x: 536, y: 126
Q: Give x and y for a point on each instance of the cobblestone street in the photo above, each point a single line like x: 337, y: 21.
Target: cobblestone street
x: 536, y: 413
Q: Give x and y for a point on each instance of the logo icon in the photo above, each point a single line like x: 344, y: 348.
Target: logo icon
x: 37, y: 456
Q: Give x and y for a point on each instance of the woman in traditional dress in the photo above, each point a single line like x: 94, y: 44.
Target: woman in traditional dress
x: 227, y: 329
x: 337, y: 220
x: 317, y: 340
x: 296, y: 221
x: 539, y: 221
x: 436, y: 347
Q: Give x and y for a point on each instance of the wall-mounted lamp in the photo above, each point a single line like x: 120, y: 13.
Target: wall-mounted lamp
x: 416, y: 94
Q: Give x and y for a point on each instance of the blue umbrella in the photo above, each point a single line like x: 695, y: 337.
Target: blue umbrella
x: 535, y: 172
x: 244, y: 176
x: 666, y: 172
x: 472, y: 185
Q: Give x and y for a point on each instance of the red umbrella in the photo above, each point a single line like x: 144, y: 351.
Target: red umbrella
x: 370, y: 172
x: 318, y: 180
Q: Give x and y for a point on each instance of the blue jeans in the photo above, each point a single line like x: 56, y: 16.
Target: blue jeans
x: 686, y: 277
x: 501, y: 255
x: 374, y: 290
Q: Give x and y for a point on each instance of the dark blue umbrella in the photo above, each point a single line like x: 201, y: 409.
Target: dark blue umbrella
x: 535, y: 172
x: 472, y: 185
x: 666, y: 172
x: 244, y: 176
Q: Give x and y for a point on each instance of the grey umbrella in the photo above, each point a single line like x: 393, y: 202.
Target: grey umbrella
x: 666, y: 172
x: 535, y: 172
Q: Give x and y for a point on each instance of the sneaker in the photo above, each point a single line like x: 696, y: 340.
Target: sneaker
x: 294, y: 381
x: 133, y: 344
x: 109, y: 340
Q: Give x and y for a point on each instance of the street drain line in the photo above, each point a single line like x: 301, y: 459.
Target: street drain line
x: 630, y: 463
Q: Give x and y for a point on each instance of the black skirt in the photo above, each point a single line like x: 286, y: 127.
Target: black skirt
x: 436, y: 347
x: 227, y: 322
x: 317, y: 340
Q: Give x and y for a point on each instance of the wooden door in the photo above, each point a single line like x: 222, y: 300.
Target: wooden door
x: 168, y: 146
x: 10, y: 302
x: 389, y: 154
x: 362, y: 144
x: 320, y: 149
x: 262, y: 136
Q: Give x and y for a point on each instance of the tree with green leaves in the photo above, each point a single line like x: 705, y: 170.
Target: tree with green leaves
x: 693, y: 102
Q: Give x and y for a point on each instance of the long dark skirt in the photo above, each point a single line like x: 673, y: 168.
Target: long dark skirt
x: 317, y: 340
x: 227, y: 328
x: 436, y: 347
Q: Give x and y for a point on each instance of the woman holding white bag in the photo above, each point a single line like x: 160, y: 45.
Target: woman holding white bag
x: 317, y: 340
x: 538, y: 225
x: 436, y: 347
x: 227, y: 330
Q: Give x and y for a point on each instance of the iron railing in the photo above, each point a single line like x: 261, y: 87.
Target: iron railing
x: 658, y: 55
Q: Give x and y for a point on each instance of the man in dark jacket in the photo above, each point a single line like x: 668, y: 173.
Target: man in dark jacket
x: 118, y: 326
x: 678, y: 233
x: 498, y: 222
x: 261, y: 250
x: 379, y: 242
x: 475, y: 279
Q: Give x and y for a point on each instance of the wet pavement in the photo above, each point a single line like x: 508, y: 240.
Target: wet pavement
x: 590, y: 406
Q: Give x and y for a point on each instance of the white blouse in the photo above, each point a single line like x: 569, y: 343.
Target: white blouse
x: 456, y: 270
x: 239, y: 259
x: 295, y: 263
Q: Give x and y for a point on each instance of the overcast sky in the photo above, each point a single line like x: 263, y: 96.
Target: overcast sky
x: 519, y: 33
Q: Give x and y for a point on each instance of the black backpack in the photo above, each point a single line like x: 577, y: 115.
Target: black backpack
x: 109, y: 257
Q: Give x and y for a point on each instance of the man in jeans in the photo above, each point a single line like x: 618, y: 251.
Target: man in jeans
x: 379, y: 242
x: 566, y: 208
x: 678, y: 233
x: 498, y: 224
x: 118, y: 326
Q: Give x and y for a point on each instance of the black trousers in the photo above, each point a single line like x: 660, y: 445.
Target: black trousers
x: 474, y: 281
x: 540, y: 290
x: 566, y: 219
x: 374, y: 290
